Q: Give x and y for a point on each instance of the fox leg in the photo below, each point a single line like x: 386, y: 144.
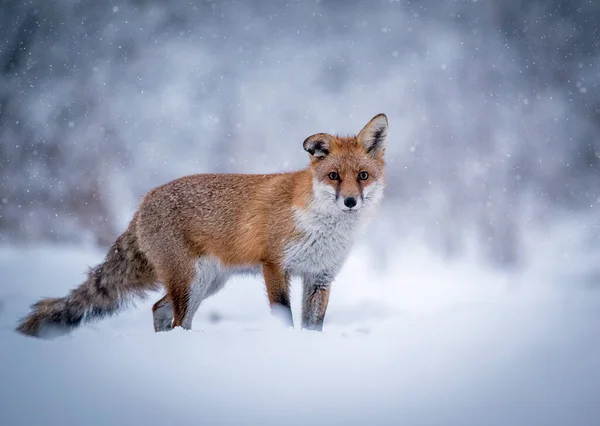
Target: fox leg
x: 315, y: 297
x: 209, y: 279
x: 162, y: 312
x: 178, y: 280
x: 278, y: 291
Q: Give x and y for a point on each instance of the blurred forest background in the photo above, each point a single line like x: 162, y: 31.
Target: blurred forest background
x: 494, y: 108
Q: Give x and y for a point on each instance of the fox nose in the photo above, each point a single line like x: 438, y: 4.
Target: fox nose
x: 350, y: 202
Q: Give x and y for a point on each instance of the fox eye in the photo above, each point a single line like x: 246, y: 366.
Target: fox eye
x: 334, y: 176
x: 363, y: 176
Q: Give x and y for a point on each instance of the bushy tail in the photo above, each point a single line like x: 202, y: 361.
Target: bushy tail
x: 125, y: 273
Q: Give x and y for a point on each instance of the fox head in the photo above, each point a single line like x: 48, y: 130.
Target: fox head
x: 348, y: 172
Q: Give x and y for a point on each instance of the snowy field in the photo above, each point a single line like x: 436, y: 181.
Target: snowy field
x: 423, y: 341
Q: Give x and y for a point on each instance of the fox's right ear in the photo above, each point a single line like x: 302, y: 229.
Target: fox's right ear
x: 318, y: 145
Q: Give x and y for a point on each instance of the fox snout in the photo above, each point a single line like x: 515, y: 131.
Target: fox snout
x: 349, y: 191
x: 350, y: 203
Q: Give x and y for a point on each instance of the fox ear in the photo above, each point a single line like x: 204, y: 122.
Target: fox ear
x: 374, y: 135
x: 317, y: 145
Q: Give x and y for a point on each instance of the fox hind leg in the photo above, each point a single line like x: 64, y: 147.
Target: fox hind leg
x: 175, y: 268
x: 209, y: 279
x: 162, y: 312
x: 177, y: 279
x: 187, y: 286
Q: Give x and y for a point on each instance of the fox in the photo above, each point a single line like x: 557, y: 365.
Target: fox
x: 189, y: 236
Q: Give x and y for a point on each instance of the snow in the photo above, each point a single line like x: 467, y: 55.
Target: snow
x: 423, y: 341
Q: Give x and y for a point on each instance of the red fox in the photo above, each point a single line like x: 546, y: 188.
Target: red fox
x: 190, y: 235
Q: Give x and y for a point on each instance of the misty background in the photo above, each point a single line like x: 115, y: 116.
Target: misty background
x: 493, y: 107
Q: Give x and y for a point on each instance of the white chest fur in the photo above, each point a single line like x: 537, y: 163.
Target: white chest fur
x: 327, y: 232
x: 325, y: 242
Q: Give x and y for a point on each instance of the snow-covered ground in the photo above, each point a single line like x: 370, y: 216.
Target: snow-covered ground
x: 422, y: 341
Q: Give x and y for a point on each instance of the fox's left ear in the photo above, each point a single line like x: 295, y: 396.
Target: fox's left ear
x: 374, y: 135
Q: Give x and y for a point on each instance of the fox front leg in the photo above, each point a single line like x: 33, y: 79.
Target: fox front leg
x: 278, y: 291
x: 315, y: 297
